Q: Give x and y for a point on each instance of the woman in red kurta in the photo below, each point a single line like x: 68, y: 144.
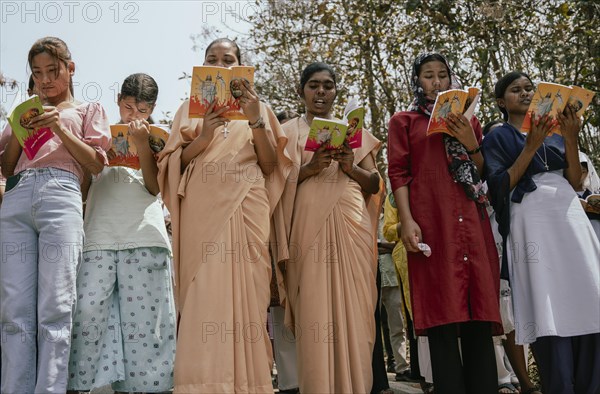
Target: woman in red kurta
x: 436, y: 183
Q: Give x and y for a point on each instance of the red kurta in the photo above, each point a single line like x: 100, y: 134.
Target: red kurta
x: 461, y: 279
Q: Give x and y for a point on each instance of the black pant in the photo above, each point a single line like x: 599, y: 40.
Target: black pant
x: 380, y: 380
x: 476, y: 373
x: 568, y: 365
x: 415, y: 371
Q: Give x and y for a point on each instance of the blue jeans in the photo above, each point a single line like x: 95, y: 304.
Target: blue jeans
x: 41, y: 234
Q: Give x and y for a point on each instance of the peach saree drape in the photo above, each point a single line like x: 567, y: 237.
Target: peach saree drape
x: 220, y: 210
x: 330, y: 271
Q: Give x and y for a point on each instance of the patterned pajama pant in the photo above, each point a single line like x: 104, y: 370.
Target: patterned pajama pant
x: 124, y: 326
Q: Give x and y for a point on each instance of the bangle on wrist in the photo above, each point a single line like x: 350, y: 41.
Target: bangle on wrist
x: 259, y: 124
x: 474, y: 151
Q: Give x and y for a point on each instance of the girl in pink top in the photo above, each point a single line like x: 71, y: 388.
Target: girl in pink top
x: 42, y: 226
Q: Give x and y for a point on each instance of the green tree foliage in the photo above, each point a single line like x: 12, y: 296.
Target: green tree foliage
x: 372, y: 43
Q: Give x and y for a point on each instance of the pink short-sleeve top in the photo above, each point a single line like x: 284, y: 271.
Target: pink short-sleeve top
x: 87, y: 121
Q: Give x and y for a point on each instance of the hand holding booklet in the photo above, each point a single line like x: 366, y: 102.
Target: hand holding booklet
x: 30, y: 139
x: 124, y: 152
x: 591, y: 203
x: 455, y: 101
x: 334, y: 132
x: 552, y: 98
x: 222, y: 85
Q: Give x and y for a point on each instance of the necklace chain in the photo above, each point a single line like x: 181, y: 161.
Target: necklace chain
x: 545, y: 159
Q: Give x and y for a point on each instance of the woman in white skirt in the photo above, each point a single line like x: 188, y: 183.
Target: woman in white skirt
x: 551, y: 250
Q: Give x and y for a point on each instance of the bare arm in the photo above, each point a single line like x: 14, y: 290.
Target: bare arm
x: 410, y: 232
x: 539, y: 131
x: 11, y: 155
x: 478, y: 160
x: 570, y: 126
x: 365, y: 173
x: 265, y: 151
x: 85, y: 155
x: 82, y: 152
x: 461, y: 129
x: 211, y: 121
x: 196, y: 147
x: 140, y: 132
x: 85, y: 185
x: 320, y: 160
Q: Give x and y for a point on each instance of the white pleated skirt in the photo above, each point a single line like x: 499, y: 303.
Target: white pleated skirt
x: 554, y: 263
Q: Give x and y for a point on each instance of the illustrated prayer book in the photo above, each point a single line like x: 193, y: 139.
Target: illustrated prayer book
x: 457, y: 101
x: 30, y: 139
x: 591, y: 203
x: 334, y: 132
x: 125, y: 152
x: 223, y: 85
x: 552, y: 98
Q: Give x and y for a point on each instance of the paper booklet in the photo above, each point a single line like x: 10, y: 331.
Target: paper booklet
x: 457, y: 101
x: 552, y: 98
x: 334, y: 132
x: 124, y: 147
x: 221, y: 84
x: 591, y: 203
x: 30, y: 139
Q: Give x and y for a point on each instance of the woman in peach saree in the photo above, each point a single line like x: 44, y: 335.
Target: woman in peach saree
x: 330, y: 209
x: 214, y: 180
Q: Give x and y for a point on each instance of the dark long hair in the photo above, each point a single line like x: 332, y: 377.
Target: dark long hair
x: 54, y: 47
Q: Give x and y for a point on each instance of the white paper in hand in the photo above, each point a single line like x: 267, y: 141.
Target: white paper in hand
x: 425, y: 249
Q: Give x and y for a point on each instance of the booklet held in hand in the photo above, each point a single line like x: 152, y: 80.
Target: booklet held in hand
x: 125, y: 152
x: 223, y: 85
x: 30, y: 139
x: 455, y: 101
x: 334, y: 132
x: 551, y: 99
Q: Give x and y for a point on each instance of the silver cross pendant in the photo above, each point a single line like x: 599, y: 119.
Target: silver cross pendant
x: 225, y: 130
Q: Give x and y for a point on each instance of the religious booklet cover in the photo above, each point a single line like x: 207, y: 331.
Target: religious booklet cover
x: 334, y: 132
x: 30, y: 139
x: 580, y: 99
x: 552, y: 98
x: 125, y: 150
x: 221, y: 84
x: 591, y: 203
x: 457, y: 101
